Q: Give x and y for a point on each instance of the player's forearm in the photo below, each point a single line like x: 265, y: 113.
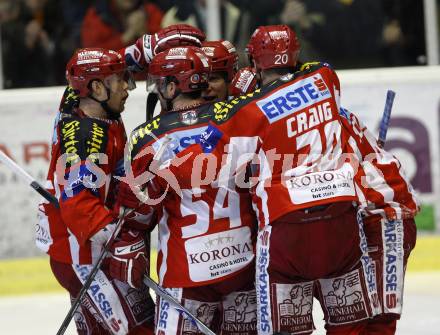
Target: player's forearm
x: 85, y: 215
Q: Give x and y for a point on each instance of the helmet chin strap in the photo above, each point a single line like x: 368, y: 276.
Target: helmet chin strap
x: 111, y: 114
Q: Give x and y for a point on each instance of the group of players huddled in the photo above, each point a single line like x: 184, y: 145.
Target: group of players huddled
x: 266, y: 193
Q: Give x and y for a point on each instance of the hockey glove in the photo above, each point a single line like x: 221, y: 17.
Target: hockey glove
x: 141, y: 218
x: 128, y: 262
x: 244, y: 82
x: 101, y: 237
x: 140, y: 54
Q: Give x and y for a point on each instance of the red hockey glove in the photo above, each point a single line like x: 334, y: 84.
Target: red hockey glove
x: 245, y: 81
x: 125, y: 196
x: 129, y: 262
x: 143, y: 216
x: 140, y: 54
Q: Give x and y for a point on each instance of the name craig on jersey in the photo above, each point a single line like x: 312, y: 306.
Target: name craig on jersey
x: 295, y: 97
x: 303, y: 121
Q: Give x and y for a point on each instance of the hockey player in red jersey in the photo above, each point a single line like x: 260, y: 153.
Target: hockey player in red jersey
x: 224, y: 63
x: 206, y: 234
x: 308, y: 171
x: 387, y: 210
x: 389, y: 225
x: 89, y: 124
x: 87, y: 152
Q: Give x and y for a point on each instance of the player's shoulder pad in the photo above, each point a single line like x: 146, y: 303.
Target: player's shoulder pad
x: 224, y: 110
x: 150, y: 131
x: 144, y: 133
x: 345, y: 113
x: 82, y: 137
x: 313, y: 66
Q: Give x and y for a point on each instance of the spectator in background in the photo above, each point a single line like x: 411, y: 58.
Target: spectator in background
x: 164, y: 5
x: 113, y: 24
x: 404, y: 34
x: 9, y: 29
x: 356, y: 33
x: 28, y: 34
x: 69, y: 37
x: 304, y: 22
x: 254, y: 13
x: 345, y: 33
x: 194, y: 13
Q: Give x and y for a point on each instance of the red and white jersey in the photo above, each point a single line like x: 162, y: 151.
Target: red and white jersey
x: 206, y: 233
x: 86, y: 154
x: 382, y: 185
x: 305, y: 152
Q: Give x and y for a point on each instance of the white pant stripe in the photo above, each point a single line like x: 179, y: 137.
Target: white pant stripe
x: 264, y: 314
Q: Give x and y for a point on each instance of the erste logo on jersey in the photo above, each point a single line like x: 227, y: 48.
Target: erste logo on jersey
x: 179, y: 141
x: 295, y: 97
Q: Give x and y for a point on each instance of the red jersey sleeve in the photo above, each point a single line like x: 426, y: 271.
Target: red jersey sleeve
x: 82, y: 176
x: 383, y: 185
x: 140, y: 189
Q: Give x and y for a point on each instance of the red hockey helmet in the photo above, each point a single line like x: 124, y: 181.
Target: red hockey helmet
x: 189, y: 65
x: 223, y: 56
x: 273, y: 47
x: 91, y: 64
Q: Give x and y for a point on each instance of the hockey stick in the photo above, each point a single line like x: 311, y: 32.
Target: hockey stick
x: 170, y: 299
x: 152, y: 99
x: 28, y: 178
x: 92, y: 273
x: 385, y: 122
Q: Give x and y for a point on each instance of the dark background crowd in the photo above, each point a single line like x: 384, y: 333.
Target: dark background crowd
x: 39, y: 36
